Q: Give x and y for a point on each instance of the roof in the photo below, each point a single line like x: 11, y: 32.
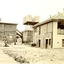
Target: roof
x: 7, y: 23
x: 30, y: 23
x: 59, y: 16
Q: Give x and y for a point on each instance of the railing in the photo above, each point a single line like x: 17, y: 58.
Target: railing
x: 20, y: 34
x: 60, y: 31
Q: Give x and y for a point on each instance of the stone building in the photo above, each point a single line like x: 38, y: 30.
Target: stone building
x: 50, y: 33
x: 8, y: 32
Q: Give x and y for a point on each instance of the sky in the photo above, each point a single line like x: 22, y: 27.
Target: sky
x: 14, y: 10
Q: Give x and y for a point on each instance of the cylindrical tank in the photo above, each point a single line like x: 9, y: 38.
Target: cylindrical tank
x: 28, y: 18
x: 36, y: 19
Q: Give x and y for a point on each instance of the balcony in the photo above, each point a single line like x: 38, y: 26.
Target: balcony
x: 60, y: 31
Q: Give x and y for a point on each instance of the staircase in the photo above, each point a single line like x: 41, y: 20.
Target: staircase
x: 20, y: 34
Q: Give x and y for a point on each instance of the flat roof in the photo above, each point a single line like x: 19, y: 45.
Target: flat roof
x: 30, y: 23
x: 59, y: 16
x: 8, y: 23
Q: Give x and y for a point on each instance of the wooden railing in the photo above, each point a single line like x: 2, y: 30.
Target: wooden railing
x: 20, y: 34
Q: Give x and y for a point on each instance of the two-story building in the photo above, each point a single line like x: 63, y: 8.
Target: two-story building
x: 8, y: 32
x: 50, y: 33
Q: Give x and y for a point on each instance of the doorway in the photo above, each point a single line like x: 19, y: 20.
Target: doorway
x: 46, y: 43
x: 39, y: 43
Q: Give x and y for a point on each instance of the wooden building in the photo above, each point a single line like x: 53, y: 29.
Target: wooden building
x: 50, y: 33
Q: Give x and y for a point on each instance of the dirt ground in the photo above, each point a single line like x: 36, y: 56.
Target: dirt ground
x: 5, y: 59
x: 30, y: 55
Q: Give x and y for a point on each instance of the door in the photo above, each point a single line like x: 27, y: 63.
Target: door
x: 46, y: 43
x: 39, y: 43
x: 49, y: 43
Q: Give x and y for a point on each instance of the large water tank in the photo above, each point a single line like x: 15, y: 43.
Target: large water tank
x: 27, y: 19
x: 36, y: 19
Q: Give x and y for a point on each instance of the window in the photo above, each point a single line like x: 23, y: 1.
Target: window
x: 62, y: 42
x: 59, y: 25
x: 39, y: 30
x: 39, y: 42
x: 60, y: 28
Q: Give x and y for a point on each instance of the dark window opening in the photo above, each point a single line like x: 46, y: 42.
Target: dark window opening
x: 60, y: 25
x: 49, y: 41
x: 62, y: 42
x: 60, y: 28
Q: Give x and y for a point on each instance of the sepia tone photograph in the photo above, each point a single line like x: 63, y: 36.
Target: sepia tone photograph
x: 31, y: 31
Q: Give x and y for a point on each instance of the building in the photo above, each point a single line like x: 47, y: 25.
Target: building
x: 29, y: 22
x: 50, y: 33
x: 19, y: 40
x: 8, y: 32
x: 27, y: 36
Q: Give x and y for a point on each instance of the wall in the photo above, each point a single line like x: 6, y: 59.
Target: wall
x: 57, y: 38
x: 46, y: 32
x: 28, y: 36
x: 36, y: 35
x: 1, y: 28
x: 10, y: 27
x: 24, y: 36
x: 8, y: 31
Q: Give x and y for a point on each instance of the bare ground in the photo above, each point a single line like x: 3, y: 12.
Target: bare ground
x: 30, y: 55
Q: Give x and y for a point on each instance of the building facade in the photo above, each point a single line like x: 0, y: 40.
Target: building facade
x: 8, y: 32
x: 50, y: 33
x: 27, y: 36
x: 28, y: 22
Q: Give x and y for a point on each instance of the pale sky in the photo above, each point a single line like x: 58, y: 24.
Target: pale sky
x: 14, y: 10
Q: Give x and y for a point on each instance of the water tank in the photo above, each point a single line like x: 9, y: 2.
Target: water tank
x: 27, y: 19
x: 36, y: 19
